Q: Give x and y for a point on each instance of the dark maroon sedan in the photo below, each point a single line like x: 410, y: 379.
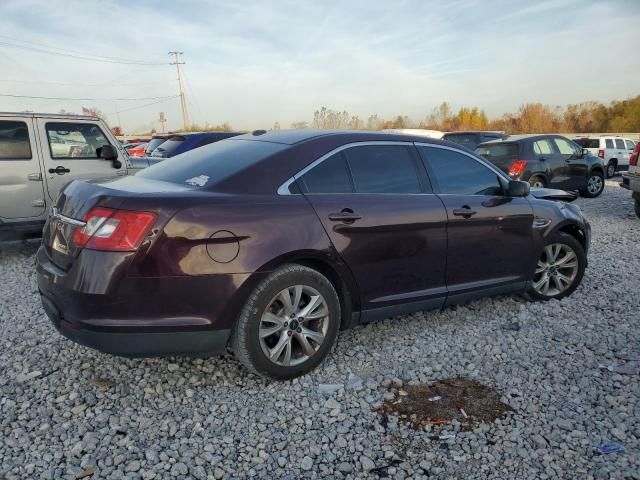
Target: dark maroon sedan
x: 269, y: 243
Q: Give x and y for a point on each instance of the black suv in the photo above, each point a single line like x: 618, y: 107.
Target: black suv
x: 472, y: 139
x: 547, y: 161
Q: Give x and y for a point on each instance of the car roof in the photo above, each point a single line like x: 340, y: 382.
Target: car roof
x: 292, y: 137
x: 205, y: 134
x: 65, y: 116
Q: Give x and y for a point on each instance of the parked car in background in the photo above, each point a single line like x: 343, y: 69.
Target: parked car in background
x: 341, y: 228
x: 39, y: 154
x: 631, y: 181
x: 177, y: 144
x: 547, y: 161
x: 472, y: 139
x: 154, y: 143
x: 613, y: 151
x: 137, y: 150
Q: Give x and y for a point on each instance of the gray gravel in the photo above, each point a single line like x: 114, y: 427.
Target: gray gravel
x: 208, y: 418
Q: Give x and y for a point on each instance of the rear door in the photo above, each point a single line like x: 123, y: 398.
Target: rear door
x: 622, y: 151
x: 551, y: 163
x: 69, y: 152
x: 490, y: 235
x: 21, y: 187
x: 576, y: 164
x: 378, y: 211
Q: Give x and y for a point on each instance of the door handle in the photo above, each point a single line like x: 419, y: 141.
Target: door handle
x: 60, y: 170
x: 346, y: 215
x: 465, y: 212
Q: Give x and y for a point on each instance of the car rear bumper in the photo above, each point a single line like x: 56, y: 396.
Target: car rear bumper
x: 631, y: 182
x: 139, y: 316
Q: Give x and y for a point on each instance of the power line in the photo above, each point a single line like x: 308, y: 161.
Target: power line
x: 87, y: 57
x: 146, y: 105
x: 89, y: 99
x: 8, y: 80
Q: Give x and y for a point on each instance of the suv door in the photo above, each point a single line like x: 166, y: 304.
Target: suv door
x: 576, y: 165
x: 622, y: 152
x: 69, y: 152
x: 490, y: 235
x: 21, y: 189
x: 385, y: 224
x: 551, y: 163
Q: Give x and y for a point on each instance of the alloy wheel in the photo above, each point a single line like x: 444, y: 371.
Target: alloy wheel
x: 595, y: 184
x: 294, y: 325
x: 556, y: 270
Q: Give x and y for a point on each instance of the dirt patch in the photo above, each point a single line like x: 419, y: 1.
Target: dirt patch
x: 462, y: 399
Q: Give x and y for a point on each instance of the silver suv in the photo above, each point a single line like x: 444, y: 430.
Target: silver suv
x: 40, y: 154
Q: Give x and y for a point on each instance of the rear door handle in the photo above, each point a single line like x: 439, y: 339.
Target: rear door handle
x: 60, y: 170
x: 346, y: 215
x: 465, y: 212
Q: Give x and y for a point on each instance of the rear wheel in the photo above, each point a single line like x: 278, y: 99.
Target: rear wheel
x: 636, y: 205
x: 595, y: 185
x: 537, y: 182
x: 611, y: 169
x: 560, y: 268
x: 289, y: 324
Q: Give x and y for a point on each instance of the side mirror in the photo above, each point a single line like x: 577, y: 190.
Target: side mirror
x: 518, y: 189
x: 107, y: 152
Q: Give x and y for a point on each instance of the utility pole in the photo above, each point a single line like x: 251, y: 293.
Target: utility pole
x: 183, y: 100
x: 163, y: 119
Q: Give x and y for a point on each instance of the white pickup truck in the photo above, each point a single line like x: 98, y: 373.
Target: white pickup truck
x: 631, y: 181
x: 40, y: 154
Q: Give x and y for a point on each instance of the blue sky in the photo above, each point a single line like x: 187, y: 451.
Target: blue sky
x: 251, y: 63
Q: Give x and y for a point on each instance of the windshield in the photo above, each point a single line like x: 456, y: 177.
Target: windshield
x: 467, y: 139
x: 205, y: 166
x: 167, y: 148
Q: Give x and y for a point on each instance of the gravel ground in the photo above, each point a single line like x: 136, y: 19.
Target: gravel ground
x: 67, y: 411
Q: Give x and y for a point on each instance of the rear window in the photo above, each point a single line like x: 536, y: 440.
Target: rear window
x: 588, y: 142
x: 468, y: 139
x: 208, y: 165
x: 154, y: 143
x: 499, y: 151
x: 167, y: 148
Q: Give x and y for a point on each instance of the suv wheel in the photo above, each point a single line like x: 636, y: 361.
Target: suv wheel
x: 560, y: 268
x: 595, y: 185
x: 611, y: 169
x: 289, y: 324
x: 537, y: 182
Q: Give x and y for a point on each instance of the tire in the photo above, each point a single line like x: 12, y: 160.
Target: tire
x: 636, y: 206
x: 595, y: 185
x: 267, y: 325
x: 536, y: 290
x: 611, y: 169
x: 537, y: 181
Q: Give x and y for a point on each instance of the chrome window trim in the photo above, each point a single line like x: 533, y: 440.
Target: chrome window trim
x: 284, y: 188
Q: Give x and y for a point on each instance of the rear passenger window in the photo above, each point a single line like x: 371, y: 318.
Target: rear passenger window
x: 459, y: 174
x: 630, y: 145
x: 608, y: 143
x: 382, y: 169
x: 620, y: 143
x: 330, y: 176
x: 542, y: 147
x: 14, y: 141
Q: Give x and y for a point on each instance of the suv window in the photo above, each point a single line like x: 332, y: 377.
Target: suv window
x: 330, y: 176
x: 382, y: 169
x: 609, y: 143
x: 542, y: 147
x: 498, y: 151
x: 620, y: 144
x: 14, y: 141
x: 588, y: 142
x: 630, y: 145
x: 204, y: 166
x: 565, y: 147
x: 459, y: 174
x: 74, y: 140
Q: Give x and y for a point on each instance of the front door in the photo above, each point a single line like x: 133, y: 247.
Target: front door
x: 490, y: 235
x: 21, y: 187
x: 383, y: 223
x: 576, y: 164
x: 69, y: 153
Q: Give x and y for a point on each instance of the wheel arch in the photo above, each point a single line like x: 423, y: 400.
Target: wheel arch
x: 576, y: 231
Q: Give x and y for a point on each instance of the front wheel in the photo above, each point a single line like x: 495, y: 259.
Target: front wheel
x: 595, y: 186
x: 560, y: 268
x: 289, y: 323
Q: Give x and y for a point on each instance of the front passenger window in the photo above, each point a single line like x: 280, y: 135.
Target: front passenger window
x: 459, y: 174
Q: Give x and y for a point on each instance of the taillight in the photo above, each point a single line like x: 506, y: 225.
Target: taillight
x: 633, y: 160
x: 517, y: 168
x: 113, y: 230
x: 601, y: 153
